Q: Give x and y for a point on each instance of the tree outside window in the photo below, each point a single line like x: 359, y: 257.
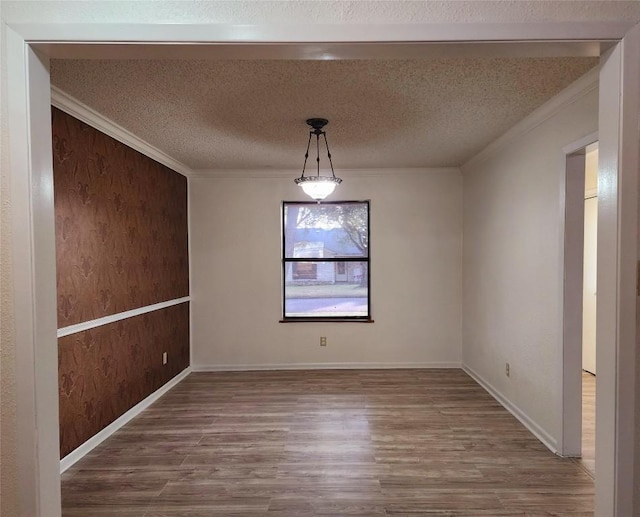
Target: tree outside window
x: 325, y: 260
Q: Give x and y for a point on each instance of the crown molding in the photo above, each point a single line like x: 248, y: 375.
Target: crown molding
x: 294, y: 173
x: 72, y: 106
x: 572, y: 93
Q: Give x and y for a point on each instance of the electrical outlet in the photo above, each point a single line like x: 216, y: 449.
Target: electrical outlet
x: 507, y: 370
x: 164, y: 358
x: 323, y: 341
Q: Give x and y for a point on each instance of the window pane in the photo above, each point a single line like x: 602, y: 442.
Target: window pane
x: 326, y: 289
x: 313, y: 230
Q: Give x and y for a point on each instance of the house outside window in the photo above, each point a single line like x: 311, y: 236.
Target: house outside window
x: 325, y: 261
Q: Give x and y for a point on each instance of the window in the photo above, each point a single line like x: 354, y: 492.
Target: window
x: 325, y: 261
x: 305, y: 271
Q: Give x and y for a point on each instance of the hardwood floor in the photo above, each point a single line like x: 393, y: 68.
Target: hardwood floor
x: 308, y: 443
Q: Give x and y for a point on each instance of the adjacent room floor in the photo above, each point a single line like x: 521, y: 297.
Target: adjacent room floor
x: 365, y: 442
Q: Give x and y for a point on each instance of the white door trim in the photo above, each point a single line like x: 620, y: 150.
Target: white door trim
x: 618, y: 166
x: 572, y: 246
x: 572, y: 250
x: 34, y: 272
x: 327, y: 33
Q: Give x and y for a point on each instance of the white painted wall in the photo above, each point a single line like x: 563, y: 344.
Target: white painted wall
x: 589, y: 282
x: 591, y: 170
x: 8, y: 404
x: 590, y: 270
x: 313, y: 12
x: 512, y: 264
x: 416, y: 254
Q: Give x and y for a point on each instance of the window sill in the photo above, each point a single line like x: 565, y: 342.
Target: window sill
x: 325, y: 320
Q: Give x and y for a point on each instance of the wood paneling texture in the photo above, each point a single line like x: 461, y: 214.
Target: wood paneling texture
x: 121, y: 225
x: 104, y: 371
x: 311, y: 443
x: 121, y: 244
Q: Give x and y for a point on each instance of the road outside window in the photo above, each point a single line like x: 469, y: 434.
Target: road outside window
x: 325, y: 261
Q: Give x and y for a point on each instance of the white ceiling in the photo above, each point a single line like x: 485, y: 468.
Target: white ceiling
x: 250, y: 114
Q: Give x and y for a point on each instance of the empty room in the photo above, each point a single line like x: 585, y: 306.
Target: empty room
x: 304, y: 278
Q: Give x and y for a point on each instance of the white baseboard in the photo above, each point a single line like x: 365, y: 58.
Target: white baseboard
x: 319, y: 366
x: 97, y: 439
x: 542, y: 435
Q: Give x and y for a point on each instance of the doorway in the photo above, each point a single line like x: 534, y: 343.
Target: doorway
x: 589, y: 307
x: 341, y: 272
x: 580, y: 301
x: 28, y: 82
x: 579, y: 308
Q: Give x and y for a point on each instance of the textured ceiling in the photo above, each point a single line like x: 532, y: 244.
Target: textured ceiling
x: 250, y: 114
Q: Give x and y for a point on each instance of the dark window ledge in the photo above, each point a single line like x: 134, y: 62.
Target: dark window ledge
x: 325, y: 320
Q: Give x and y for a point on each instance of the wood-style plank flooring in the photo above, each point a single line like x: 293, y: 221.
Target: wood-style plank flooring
x: 310, y: 443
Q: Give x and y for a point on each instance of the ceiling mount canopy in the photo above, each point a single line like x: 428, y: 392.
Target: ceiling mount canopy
x: 318, y: 187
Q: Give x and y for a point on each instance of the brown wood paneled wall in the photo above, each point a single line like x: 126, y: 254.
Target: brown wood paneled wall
x: 121, y: 225
x: 105, y: 371
x: 121, y: 244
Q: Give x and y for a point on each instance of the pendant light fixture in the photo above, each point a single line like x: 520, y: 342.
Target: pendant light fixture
x: 318, y: 187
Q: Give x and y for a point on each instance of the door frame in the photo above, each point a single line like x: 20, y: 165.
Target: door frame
x: 28, y: 87
x: 572, y: 245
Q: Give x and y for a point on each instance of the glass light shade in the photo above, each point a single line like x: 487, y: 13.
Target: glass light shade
x: 318, y: 187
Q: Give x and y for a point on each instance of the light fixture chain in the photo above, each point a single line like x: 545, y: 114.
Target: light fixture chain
x: 328, y: 153
x: 306, y: 155
x: 317, y: 152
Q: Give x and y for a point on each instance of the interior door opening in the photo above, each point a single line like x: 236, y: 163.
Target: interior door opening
x: 579, y: 307
x: 589, y: 307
